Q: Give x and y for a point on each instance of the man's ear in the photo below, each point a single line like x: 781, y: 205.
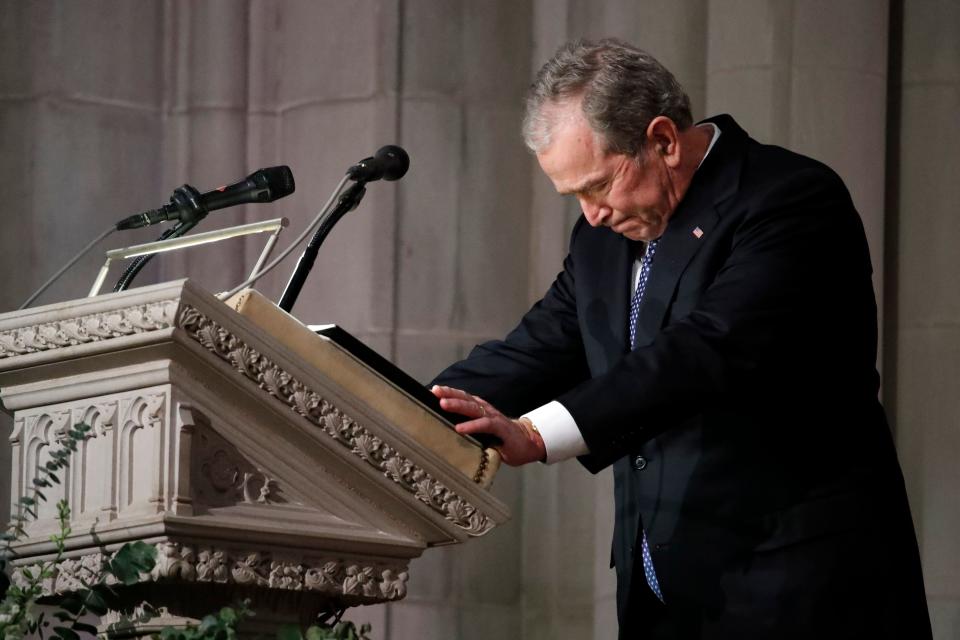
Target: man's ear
x: 663, y: 140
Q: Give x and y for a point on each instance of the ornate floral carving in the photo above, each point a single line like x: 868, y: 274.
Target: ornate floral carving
x: 247, y: 569
x: 286, y: 575
x: 342, y: 428
x: 394, y: 585
x: 212, y: 566
x: 185, y: 563
x: 221, y: 471
x: 174, y: 561
x: 74, y: 573
x: 230, y: 478
x: 360, y: 580
x: 322, y: 578
x: 90, y: 328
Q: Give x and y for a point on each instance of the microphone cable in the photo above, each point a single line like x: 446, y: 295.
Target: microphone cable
x: 181, y: 228
x: 64, y: 268
x: 189, y: 201
x: 317, y: 220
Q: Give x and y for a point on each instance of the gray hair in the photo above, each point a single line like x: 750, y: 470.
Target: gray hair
x: 622, y: 89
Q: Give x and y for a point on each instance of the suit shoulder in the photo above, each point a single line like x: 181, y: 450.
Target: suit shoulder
x: 774, y: 173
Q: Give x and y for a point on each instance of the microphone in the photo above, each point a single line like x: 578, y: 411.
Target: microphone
x: 264, y: 185
x: 389, y: 163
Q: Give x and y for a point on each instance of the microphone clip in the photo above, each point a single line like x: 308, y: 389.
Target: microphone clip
x: 364, y: 171
x: 187, y: 203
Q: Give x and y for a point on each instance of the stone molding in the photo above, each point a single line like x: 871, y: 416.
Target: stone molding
x: 335, y: 423
x: 94, y: 327
x: 340, y: 577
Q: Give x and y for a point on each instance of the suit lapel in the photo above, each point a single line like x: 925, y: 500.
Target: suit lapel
x: 690, y: 226
x: 607, y: 313
x: 622, y: 261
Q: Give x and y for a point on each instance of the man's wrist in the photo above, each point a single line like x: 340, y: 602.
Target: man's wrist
x: 534, y: 435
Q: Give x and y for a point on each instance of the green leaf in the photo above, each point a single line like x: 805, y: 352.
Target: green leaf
x: 317, y: 633
x: 169, y: 633
x: 131, y: 560
x: 95, y: 603
x: 123, y: 571
x: 85, y: 628
x: 65, y: 633
x: 208, y: 624
x: 289, y: 632
x: 125, y: 566
x: 142, y: 554
x: 228, y: 615
x: 41, y: 482
x: 63, y: 616
x: 27, y: 500
x: 28, y: 573
x: 72, y: 604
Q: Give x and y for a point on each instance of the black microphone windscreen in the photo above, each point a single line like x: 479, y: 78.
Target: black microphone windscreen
x: 393, y: 160
x: 279, y: 180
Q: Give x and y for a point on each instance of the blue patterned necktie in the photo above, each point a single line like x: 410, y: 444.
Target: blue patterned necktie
x: 645, y: 262
x: 641, y: 288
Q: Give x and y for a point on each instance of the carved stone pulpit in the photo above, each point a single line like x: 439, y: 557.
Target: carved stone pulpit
x: 254, y: 471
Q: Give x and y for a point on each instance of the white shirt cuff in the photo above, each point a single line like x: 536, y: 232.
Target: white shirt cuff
x: 559, y: 431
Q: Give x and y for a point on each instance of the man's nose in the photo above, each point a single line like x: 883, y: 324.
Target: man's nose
x: 595, y: 213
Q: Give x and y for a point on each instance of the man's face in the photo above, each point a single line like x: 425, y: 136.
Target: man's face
x: 614, y: 190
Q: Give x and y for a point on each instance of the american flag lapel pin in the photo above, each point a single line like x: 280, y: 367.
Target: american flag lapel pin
x: 698, y: 233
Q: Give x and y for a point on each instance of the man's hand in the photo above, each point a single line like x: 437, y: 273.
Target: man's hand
x: 521, y: 443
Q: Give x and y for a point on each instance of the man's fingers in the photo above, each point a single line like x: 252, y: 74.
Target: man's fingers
x: 449, y: 392
x: 488, y: 408
x: 467, y: 407
x: 481, y: 425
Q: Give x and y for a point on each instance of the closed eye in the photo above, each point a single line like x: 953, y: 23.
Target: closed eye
x: 592, y: 190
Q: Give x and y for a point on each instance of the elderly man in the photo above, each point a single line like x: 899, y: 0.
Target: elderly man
x: 713, y: 337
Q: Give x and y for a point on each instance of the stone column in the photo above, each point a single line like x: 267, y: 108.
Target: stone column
x: 463, y: 229
x: 205, y: 128
x: 80, y: 120
x: 321, y: 96
x: 925, y: 309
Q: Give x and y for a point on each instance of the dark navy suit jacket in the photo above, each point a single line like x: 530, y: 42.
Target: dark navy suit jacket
x: 744, y: 429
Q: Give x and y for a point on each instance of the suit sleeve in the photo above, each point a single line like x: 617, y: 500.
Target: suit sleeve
x: 794, y: 289
x: 540, y: 359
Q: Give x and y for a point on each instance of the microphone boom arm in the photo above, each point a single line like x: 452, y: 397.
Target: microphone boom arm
x: 347, y: 202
